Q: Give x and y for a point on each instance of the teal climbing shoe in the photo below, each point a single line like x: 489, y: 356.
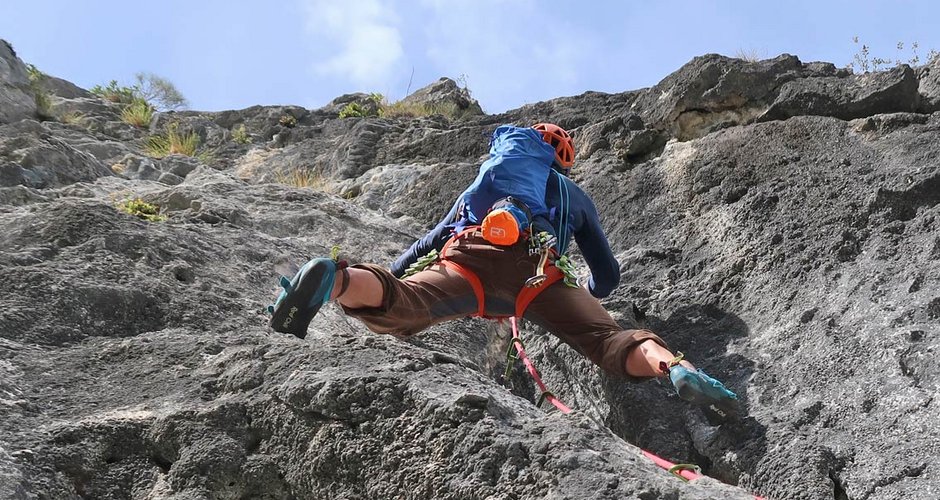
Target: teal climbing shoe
x: 717, y: 402
x: 303, y: 296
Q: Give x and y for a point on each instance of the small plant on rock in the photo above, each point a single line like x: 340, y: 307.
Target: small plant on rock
x: 40, y: 96
x: 371, y: 108
x: 352, y: 110
x: 139, y: 113
x: 240, y: 135
x: 287, y: 121
x: 749, y: 55
x: 140, y: 208
x: 173, y: 142
x: 34, y: 74
x: 865, y: 62
x: 115, y: 93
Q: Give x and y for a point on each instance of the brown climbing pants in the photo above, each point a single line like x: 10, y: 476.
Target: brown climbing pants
x: 439, y: 294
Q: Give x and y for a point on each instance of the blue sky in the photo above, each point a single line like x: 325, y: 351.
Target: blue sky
x: 233, y: 54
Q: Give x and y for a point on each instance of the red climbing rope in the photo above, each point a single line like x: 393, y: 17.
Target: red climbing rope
x: 686, y: 472
x: 546, y: 394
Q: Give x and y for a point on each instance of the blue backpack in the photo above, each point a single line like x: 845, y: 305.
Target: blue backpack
x: 519, y: 167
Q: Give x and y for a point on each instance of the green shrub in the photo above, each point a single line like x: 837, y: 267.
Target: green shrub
x: 156, y: 91
x: 357, y: 110
x: 140, y: 208
x: 240, y: 135
x: 115, y: 93
x: 139, y: 113
x: 287, y: 121
x: 172, y: 142
x: 352, y: 110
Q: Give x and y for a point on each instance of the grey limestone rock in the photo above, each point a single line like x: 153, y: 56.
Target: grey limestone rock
x: 850, y: 97
x: 776, y: 221
x: 928, y: 77
x: 16, y: 99
x: 446, y: 92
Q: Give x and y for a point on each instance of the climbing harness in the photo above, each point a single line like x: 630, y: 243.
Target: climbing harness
x: 546, y: 276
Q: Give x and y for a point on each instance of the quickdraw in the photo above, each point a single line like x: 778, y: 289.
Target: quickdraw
x: 421, y: 264
x: 567, y: 268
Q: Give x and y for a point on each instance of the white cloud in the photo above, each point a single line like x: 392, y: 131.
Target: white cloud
x: 366, y: 34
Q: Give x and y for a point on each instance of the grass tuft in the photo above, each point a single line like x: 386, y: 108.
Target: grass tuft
x: 402, y: 109
x: 749, y: 55
x: 139, y: 114
x: 302, y: 178
x: 172, y: 142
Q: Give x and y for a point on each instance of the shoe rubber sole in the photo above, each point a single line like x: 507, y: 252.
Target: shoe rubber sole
x: 302, y: 298
x: 716, y: 411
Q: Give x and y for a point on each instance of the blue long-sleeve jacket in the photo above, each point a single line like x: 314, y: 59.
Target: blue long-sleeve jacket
x: 583, y: 224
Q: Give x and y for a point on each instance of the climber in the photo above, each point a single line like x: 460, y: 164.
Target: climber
x: 501, y: 252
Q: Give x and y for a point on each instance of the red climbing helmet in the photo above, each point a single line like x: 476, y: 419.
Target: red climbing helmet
x: 559, y: 139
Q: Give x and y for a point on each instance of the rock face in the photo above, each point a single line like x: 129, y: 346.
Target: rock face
x: 929, y: 78
x: 16, y: 102
x: 446, y: 91
x: 776, y: 220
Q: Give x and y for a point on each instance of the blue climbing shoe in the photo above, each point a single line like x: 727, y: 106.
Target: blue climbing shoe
x: 303, y: 296
x: 717, y: 402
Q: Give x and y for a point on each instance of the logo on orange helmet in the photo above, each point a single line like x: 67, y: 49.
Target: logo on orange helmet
x: 559, y: 139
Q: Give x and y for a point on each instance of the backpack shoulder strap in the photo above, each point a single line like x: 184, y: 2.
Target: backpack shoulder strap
x: 561, y: 231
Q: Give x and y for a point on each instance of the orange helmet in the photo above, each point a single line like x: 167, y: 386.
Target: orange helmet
x: 559, y: 139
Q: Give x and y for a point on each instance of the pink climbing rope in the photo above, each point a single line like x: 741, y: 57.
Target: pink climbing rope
x: 683, y: 472
x: 546, y: 394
